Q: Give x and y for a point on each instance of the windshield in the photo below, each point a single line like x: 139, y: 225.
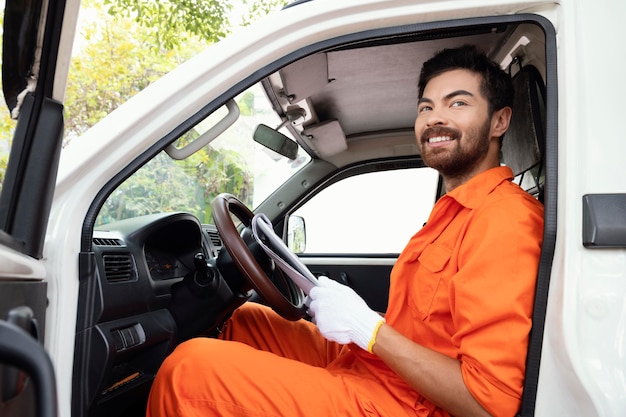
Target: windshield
x: 233, y: 163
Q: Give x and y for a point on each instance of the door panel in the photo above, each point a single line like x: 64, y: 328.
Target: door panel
x: 368, y: 276
x: 23, y: 303
x: 18, y: 293
x: 19, y: 350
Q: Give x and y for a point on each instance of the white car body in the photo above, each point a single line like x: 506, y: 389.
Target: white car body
x: 583, y: 362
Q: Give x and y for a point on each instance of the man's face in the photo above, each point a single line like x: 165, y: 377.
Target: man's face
x: 453, y: 125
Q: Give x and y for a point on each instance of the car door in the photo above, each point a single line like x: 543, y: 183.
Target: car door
x: 33, y: 90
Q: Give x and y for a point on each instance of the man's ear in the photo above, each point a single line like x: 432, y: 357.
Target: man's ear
x: 500, y: 121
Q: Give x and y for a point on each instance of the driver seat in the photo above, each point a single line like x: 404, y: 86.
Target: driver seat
x: 523, y: 145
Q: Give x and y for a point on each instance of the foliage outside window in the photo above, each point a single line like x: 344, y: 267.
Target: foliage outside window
x: 231, y: 163
x: 124, y: 45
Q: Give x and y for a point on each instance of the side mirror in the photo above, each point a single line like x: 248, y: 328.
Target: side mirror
x: 296, y: 234
x: 276, y: 141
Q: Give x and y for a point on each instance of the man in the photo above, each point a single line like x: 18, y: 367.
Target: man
x: 453, y: 340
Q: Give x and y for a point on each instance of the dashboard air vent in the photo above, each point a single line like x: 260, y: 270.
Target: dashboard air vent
x: 216, y: 240
x: 118, y: 268
x: 102, y: 241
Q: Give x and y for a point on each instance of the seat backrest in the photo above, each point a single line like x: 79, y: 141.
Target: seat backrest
x: 523, y: 144
x: 523, y: 150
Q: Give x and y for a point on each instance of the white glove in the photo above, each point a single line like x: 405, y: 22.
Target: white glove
x: 342, y: 315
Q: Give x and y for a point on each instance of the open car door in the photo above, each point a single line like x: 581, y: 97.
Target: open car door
x: 32, y: 366
x: 34, y: 32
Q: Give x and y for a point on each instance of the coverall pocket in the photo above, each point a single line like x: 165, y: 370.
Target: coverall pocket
x: 432, y: 261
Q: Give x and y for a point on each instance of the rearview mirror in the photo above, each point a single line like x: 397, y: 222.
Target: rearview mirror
x: 276, y: 141
x: 296, y: 234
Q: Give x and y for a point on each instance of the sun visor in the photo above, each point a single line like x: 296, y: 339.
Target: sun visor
x: 326, y: 138
x: 305, y: 77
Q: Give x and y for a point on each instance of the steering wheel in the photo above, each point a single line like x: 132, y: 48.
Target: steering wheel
x: 288, y: 302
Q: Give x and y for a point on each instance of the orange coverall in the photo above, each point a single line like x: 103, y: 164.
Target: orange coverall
x: 463, y: 286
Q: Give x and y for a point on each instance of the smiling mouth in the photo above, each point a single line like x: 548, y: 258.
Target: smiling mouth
x: 440, y: 135
x: 439, y: 139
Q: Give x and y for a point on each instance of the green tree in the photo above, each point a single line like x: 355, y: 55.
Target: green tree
x: 205, y: 19
x: 188, y: 185
x: 218, y: 172
x: 115, y: 61
x: 128, y: 44
x: 150, y: 190
x: 258, y: 8
x: 124, y: 46
x: 119, y: 60
x: 7, y: 126
x: 166, y: 20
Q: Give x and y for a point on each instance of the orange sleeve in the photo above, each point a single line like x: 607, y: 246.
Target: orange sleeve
x: 491, y: 299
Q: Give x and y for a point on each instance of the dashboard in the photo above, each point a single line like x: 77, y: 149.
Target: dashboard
x: 137, y: 303
x: 162, y: 243
x: 163, y: 264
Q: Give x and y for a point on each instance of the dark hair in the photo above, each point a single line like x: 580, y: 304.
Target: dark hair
x: 496, y: 85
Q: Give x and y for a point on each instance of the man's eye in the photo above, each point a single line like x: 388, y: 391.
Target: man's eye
x: 458, y: 104
x: 423, y: 109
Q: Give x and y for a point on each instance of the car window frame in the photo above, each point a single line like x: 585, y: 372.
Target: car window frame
x: 355, y: 172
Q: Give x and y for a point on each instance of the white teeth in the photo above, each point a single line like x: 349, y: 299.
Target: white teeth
x: 439, y: 139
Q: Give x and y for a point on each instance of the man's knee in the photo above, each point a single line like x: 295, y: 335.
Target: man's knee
x: 194, y: 350
x: 251, y: 313
x: 249, y: 323
x: 194, y: 362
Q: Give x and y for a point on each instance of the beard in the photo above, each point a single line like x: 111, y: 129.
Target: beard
x: 464, y: 154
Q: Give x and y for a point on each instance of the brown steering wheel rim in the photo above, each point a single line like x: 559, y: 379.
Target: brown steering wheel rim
x: 223, y: 206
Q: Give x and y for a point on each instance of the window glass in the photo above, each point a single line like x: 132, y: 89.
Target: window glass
x: 233, y: 163
x: 7, y: 124
x: 7, y: 127
x: 374, y: 213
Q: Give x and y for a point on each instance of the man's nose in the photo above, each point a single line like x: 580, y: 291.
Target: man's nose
x: 435, y: 118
